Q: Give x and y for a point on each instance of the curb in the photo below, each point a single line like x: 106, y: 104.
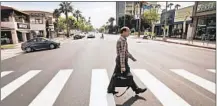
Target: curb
x: 187, y: 44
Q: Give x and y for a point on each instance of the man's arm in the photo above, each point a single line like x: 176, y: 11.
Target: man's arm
x: 122, y: 49
x: 130, y: 56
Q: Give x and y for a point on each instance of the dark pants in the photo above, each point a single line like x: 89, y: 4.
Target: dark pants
x: 127, y: 73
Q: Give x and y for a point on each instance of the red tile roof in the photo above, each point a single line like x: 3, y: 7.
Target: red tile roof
x: 36, y: 11
x: 11, y: 8
x: 5, y: 8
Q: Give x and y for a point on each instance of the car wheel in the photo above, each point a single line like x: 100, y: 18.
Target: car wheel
x: 52, y: 46
x: 28, y: 49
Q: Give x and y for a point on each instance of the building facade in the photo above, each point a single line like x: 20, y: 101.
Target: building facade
x: 120, y: 10
x: 165, y: 16
x: 41, y: 23
x: 204, y: 20
x: 15, y: 26
x: 126, y: 8
x: 182, y: 22
x: 131, y: 8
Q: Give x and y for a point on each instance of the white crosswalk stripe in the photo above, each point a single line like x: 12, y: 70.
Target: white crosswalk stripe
x: 164, y: 94
x: 50, y: 93
x: 99, y: 84
x: 208, y: 85
x: 11, y: 87
x: 211, y: 70
x: 98, y: 88
x: 4, y: 73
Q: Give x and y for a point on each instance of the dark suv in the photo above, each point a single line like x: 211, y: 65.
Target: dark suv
x: 39, y: 43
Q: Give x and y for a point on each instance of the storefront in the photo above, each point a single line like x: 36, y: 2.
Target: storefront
x: 6, y: 37
x: 170, y: 14
x: 205, y: 21
x: 182, y: 22
x: 15, y: 26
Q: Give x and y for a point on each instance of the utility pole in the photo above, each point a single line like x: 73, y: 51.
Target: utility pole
x: 140, y: 12
x: 124, y: 13
x: 165, y: 23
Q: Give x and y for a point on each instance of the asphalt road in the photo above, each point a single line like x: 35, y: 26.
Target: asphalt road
x: 78, y: 72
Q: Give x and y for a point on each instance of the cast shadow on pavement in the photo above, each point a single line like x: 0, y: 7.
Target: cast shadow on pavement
x: 130, y: 101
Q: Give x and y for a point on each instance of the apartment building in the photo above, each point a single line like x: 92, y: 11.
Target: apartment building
x: 129, y: 8
x: 15, y: 26
x: 41, y: 23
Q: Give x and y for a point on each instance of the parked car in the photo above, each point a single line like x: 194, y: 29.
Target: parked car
x: 39, y: 43
x: 78, y: 36
x: 91, y: 36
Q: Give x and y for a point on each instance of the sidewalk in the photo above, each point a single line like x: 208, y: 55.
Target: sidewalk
x: 196, y: 43
x: 16, y: 50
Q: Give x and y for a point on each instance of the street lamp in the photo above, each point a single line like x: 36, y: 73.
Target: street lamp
x: 140, y: 12
x: 125, y: 13
x: 165, y: 23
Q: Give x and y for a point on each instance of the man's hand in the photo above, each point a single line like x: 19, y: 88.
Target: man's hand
x: 123, y: 70
x: 134, y: 59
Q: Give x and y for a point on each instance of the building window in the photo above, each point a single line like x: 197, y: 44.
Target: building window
x: 18, y: 19
x: 5, y: 19
x: 206, y: 28
x: 38, y: 20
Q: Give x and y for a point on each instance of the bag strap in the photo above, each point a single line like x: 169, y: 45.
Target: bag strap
x: 123, y: 92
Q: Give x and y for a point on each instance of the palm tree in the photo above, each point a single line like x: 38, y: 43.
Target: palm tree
x: 177, y: 6
x: 158, y: 6
x: 56, y: 15
x: 89, y: 19
x: 170, y: 5
x: 77, y: 14
x: 65, y: 7
x: 111, y: 20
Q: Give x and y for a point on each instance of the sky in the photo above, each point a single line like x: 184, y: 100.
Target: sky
x: 99, y: 12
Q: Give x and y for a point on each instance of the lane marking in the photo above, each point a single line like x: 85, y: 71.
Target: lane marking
x: 51, y: 91
x: 164, y: 94
x: 208, y: 85
x: 11, y: 87
x: 211, y: 70
x: 99, y: 84
x: 4, y: 73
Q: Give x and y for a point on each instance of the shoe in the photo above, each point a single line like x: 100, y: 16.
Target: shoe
x: 113, y: 92
x: 139, y: 90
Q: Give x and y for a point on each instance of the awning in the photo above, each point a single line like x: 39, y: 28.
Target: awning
x: 24, y: 31
x: 6, y: 29
x: 158, y: 24
x: 181, y: 22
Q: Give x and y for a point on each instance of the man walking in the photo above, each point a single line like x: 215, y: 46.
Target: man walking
x: 122, y: 66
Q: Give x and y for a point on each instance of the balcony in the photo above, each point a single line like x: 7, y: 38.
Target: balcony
x: 15, y: 25
x: 23, y: 26
x: 7, y: 24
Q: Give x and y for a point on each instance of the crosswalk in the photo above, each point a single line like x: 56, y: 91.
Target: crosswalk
x: 6, y: 54
x: 99, y: 83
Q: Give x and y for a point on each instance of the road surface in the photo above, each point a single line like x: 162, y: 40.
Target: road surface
x: 77, y: 74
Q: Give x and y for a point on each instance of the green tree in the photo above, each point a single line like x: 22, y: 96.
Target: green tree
x: 158, y: 6
x: 170, y: 5
x: 152, y: 17
x: 66, y: 8
x: 89, y: 20
x: 177, y: 6
x: 56, y: 15
x: 111, y: 20
x: 62, y: 24
x: 77, y: 14
x: 72, y: 21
